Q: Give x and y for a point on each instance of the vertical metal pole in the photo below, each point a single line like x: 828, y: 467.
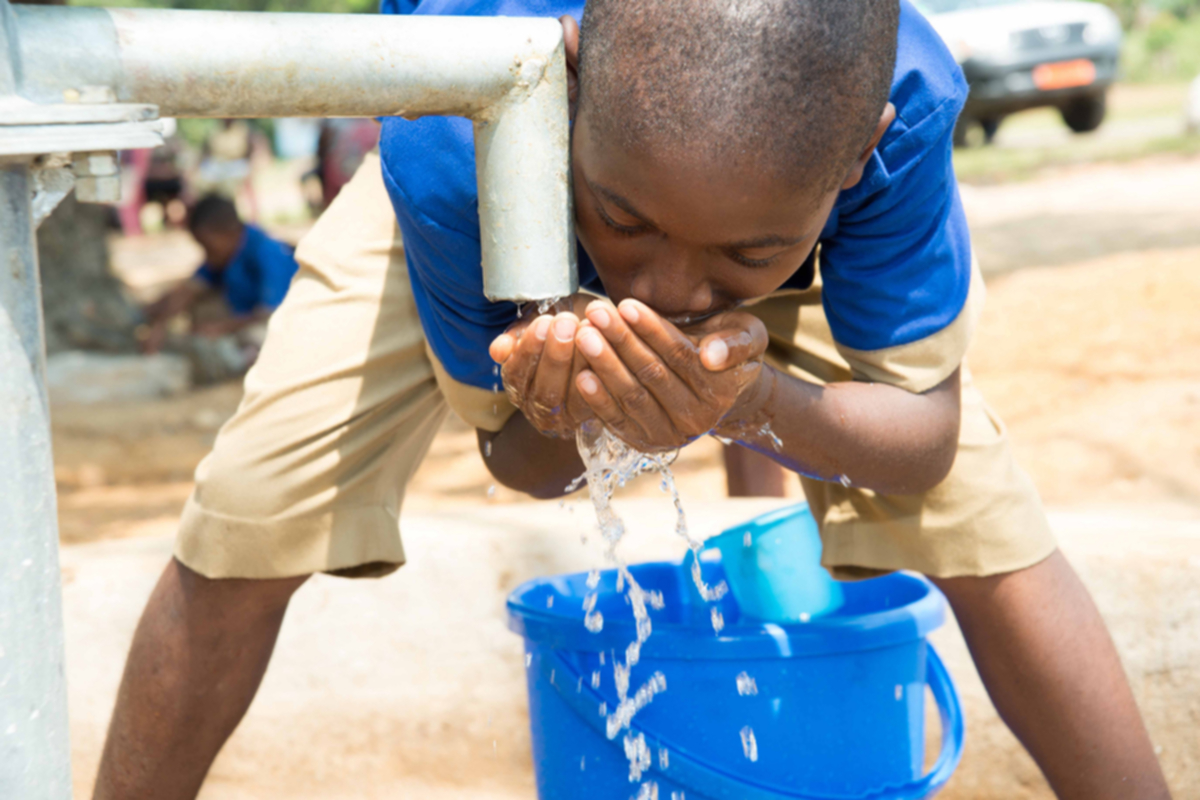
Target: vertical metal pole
x: 35, y: 753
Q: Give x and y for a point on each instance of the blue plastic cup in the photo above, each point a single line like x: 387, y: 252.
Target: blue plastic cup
x: 773, y: 567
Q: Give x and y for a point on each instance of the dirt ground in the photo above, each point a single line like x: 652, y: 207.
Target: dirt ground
x: 1087, y: 350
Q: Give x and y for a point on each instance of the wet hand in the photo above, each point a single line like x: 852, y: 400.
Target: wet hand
x: 659, y: 387
x: 538, y: 365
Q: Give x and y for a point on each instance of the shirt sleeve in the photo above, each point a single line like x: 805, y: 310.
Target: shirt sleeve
x: 278, y: 266
x: 429, y: 172
x: 897, y: 272
x: 206, y: 276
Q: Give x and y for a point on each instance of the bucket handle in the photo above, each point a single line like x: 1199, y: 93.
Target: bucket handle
x: 704, y: 779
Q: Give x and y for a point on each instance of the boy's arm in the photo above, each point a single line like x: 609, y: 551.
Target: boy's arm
x: 522, y: 458
x: 657, y: 387
x: 160, y: 312
x: 872, y: 435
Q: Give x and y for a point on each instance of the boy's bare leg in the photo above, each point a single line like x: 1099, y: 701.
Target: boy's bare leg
x: 197, y: 658
x: 1053, y: 673
x: 751, y: 474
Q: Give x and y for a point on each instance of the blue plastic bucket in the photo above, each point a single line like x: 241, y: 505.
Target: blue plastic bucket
x: 773, y: 566
x: 838, y: 715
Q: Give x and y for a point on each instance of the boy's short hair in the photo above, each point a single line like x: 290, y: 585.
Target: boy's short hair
x: 795, y: 87
x: 215, y: 213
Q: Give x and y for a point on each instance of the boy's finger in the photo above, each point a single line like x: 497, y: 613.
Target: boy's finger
x: 636, y: 398
x: 577, y: 408
x: 630, y: 381
x: 664, y: 338
x: 728, y: 348
x: 660, y: 376
x: 607, y: 410
x: 521, y: 365
x: 549, y: 388
x: 502, y: 347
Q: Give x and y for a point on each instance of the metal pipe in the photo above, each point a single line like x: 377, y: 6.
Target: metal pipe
x: 34, y: 745
x: 506, y: 74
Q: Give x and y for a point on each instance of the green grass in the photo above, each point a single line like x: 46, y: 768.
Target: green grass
x: 1166, y: 49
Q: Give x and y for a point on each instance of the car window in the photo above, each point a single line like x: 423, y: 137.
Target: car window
x: 943, y: 6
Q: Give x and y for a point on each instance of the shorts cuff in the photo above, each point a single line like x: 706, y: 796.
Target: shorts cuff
x: 351, y: 542
x: 868, y: 549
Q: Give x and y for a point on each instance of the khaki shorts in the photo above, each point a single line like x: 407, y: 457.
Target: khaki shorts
x: 341, y: 407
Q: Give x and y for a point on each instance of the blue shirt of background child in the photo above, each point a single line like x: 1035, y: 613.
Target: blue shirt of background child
x: 895, y: 254
x: 258, y: 275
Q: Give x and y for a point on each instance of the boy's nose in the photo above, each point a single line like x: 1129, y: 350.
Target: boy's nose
x: 673, y: 287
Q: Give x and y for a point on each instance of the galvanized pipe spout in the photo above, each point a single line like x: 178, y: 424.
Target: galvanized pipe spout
x: 507, y: 74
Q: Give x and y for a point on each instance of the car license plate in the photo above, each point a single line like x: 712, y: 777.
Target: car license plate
x: 1064, y: 74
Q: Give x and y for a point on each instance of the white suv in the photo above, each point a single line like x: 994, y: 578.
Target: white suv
x: 1019, y: 54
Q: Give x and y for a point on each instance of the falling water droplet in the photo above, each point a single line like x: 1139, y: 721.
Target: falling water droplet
x: 749, y: 745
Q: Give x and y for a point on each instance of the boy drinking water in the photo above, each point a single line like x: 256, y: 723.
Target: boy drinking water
x: 768, y: 215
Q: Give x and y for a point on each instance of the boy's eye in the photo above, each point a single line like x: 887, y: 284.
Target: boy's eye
x: 626, y: 230
x: 747, y: 261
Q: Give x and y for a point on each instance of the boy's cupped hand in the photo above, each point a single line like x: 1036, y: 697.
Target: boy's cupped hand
x: 659, y: 387
x: 539, y: 364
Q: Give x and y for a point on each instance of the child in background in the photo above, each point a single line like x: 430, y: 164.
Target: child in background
x: 246, y: 270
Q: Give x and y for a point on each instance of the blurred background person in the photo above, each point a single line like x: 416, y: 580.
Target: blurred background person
x: 244, y: 277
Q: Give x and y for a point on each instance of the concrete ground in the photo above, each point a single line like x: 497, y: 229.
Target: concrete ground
x: 411, y: 686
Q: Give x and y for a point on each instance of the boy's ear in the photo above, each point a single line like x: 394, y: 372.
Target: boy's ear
x: 856, y: 172
x: 571, y: 47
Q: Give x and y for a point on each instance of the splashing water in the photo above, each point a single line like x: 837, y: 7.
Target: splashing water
x: 776, y: 442
x: 746, y: 685
x: 546, y: 304
x: 678, y: 796
x: 664, y: 759
x: 718, y: 620
x: 649, y: 791
x: 609, y: 465
x: 638, y: 754
x: 630, y: 706
x: 749, y: 745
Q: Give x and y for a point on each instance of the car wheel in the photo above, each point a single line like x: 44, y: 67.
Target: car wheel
x: 990, y: 126
x: 968, y: 132
x: 1084, y: 114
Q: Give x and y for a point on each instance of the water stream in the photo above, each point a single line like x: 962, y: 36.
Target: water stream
x: 609, y: 464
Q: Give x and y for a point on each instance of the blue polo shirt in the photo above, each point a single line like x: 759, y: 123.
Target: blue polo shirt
x: 258, y: 275
x: 895, y: 255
